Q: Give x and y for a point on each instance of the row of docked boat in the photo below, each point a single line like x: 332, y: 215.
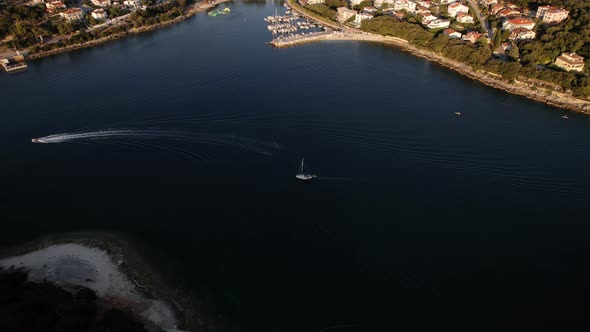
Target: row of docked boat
x: 282, y: 19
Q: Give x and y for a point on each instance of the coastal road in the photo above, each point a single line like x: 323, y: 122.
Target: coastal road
x: 480, y: 17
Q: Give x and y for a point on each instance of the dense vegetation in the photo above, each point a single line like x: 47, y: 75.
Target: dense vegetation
x: 28, y: 24
x: 523, y: 59
x: 157, y: 14
x: 323, y: 11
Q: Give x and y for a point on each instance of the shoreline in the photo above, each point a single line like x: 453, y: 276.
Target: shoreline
x: 113, y: 267
x: 190, y: 11
x: 546, y: 96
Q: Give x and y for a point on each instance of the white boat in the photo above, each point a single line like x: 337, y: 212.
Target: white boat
x: 38, y: 140
x: 565, y: 116
x: 302, y: 175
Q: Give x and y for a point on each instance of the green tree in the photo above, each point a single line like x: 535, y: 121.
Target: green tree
x: 514, y: 52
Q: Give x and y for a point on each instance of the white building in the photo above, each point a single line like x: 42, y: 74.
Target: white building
x: 355, y: 2
x: 472, y: 37
x: 452, y: 33
x: 315, y: 2
x: 101, y: 3
x: 522, y: 34
x: 133, y: 4
x: 404, y: 5
x: 439, y: 24
x: 55, y: 5
x: 426, y: 19
x: 464, y: 18
x: 360, y: 17
x: 99, y: 14
x: 73, y: 14
x: 343, y: 14
x: 570, y: 61
x: 551, y: 14
x: 456, y: 8
x: 424, y: 3
x: 516, y: 23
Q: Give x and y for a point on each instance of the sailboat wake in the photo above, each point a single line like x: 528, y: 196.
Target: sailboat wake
x: 244, y: 143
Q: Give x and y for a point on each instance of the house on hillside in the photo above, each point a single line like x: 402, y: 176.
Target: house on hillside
x: 438, y: 24
x: 488, y: 2
x: 456, y: 8
x: 471, y: 37
x: 55, y: 6
x: 570, y: 61
x: 424, y: 3
x: 519, y: 34
x: 452, y: 33
x: 132, y: 4
x: 497, y: 8
x: 405, y: 5
x: 464, y: 18
x: 72, y: 15
x: 99, y: 14
x: 516, y: 23
x: 552, y: 14
x: 101, y: 3
x: 509, y: 12
x: 360, y: 17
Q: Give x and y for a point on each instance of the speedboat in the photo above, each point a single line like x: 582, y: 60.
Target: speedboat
x: 457, y: 113
x: 303, y: 175
x: 38, y: 140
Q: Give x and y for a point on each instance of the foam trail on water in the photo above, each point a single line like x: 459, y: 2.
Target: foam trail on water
x: 239, y: 142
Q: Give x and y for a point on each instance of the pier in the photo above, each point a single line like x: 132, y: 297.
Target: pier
x: 14, y: 64
x: 300, y: 39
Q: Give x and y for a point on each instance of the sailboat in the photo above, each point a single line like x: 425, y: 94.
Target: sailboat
x: 302, y: 175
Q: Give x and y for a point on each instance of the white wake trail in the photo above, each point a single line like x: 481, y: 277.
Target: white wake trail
x: 243, y: 143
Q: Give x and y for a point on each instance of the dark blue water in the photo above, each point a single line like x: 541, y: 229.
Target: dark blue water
x: 419, y: 220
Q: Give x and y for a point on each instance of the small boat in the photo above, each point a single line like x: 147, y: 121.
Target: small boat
x: 303, y: 175
x: 565, y: 116
x: 38, y: 140
x: 457, y: 113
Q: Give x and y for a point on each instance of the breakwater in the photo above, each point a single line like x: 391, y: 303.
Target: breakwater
x: 300, y: 39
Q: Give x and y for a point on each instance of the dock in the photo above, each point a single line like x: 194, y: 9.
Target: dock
x: 300, y: 39
x: 14, y: 64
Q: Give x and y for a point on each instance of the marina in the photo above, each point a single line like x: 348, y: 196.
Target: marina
x: 293, y: 28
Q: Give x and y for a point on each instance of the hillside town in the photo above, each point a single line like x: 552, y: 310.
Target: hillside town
x: 43, y: 25
x: 501, y: 25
